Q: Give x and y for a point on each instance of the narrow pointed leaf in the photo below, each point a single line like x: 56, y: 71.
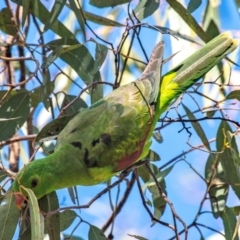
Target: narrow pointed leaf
x: 107, y: 3
x: 9, y: 216
x: 17, y: 109
x: 41, y: 12
x: 101, y: 20
x: 37, y: 221
x: 229, y: 222
x: 26, y: 4
x: 193, y: 5
x: 52, y: 129
x: 158, y: 203
x: 7, y: 24
x: 47, y: 204
x: 197, y: 127
x: 55, y: 12
x: 146, y: 8
x: 79, y: 16
x: 218, y: 191
x: 66, y: 219
x: 234, y: 95
x: 95, y: 233
x: 229, y: 158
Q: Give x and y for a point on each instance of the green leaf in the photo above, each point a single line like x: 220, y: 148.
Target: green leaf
x: 95, y: 233
x: 158, y: 136
x: 152, y: 156
x: 57, y: 53
x: 212, y: 29
x: 71, y: 193
x: 36, y: 218
x: 100, y: 56
x: 218, y: 191
x: 159, y: 176
x: 78, y: 15
x: 238, y: 3
x: 96, y: 91
x: 189, y: 20
x: 197, y: 127
x: 16, y: 108
x: 53, y: 128
x: 55, y: 12
x: 75, y: 107
x: 229, y: 222
x: 159, y: 204
x: 107, y: 3
x: 11, y: 94
x: 25, y: 231
x: 146, y: 8
x: 234, y: 95
x: 47, y: 204
x: 3, y: 175
x: 66, y: 219
x: 101, y: 20
x: 67, y: 237
x: 9, y: 216
x: 78, y: 58
x: 211, y: 113
x: 26, y: 4
x: 193, y: 5
x: 40, y: 11
x: 137, y: 237
x: 229, y: 157
x: 7, y: 24
x: 46, y: 88
x: 236, y: 210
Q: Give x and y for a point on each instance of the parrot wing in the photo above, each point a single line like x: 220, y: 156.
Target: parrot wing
x: 100, y: 140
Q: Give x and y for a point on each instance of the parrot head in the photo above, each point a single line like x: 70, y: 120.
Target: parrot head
x: 30, y: 177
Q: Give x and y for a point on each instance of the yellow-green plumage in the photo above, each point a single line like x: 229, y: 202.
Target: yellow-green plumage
x: 115, y: 132
x: 101, y: 140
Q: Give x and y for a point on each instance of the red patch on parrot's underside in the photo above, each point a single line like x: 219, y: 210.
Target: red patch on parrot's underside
x: 128, y: 160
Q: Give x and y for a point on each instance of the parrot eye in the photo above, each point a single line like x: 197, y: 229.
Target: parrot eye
x: 34, y: 182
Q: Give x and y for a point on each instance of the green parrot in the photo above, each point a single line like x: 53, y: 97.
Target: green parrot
x: 116, y: 131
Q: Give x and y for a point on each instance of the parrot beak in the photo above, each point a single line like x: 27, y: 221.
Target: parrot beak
x: 20, y: 199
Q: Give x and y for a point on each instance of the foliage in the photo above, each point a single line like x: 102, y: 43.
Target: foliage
x: 61, y: 56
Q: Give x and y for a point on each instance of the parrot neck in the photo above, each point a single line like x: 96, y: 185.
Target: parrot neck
x: 66, y: 168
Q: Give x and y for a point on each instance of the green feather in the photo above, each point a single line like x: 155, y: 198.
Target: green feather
x: 179, y: 79
x: 115, y: 132
x: 101, y: 140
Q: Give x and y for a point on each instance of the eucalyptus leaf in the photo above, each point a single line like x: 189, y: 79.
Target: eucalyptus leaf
x: 49, y: 203
x: 107, y: 3
x: 7, y: 24
x: 145, y: 8
x: 54, y: 14
x: 41, y: 12
x: 66, y: 219
x: 95, y: 233
x: 16, y: 109
x: 36, y: 218
x: 218, y: 190
x: 229, y: 222
x: 197, y: 127
x: 193, y: 5
x: 9, y: 216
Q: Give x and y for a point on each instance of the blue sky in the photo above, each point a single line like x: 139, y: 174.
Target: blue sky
x: 185, y: 189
